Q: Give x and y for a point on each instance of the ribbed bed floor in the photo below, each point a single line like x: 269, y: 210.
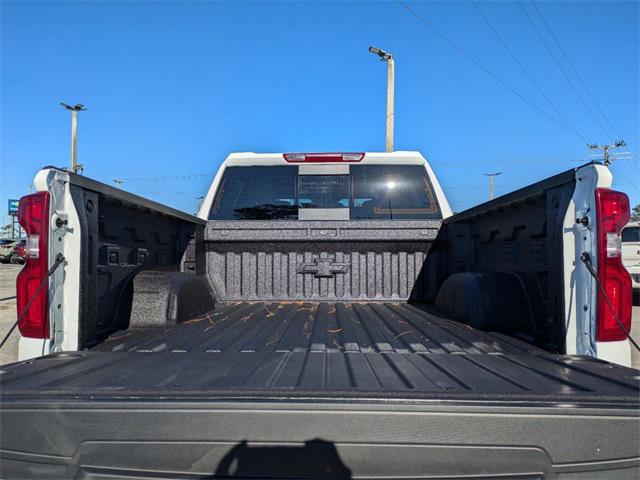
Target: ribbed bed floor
x: 380, y: 350
x: 317, y: 327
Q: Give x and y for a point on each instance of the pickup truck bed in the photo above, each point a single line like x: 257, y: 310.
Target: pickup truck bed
x: 318, y: 390
x: 288, y: 349
x: 389, y: 350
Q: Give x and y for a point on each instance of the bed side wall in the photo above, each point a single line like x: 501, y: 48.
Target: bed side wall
x: 119, y: 240
x: 521, y: 234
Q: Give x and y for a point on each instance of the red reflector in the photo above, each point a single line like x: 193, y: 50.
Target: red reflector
x: 33, y: 215
x: 322, y: 157
x: 612, y: 212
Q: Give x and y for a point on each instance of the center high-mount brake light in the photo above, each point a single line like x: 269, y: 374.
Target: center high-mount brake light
x: 612, y: 212
x: 322, y: 157
x: 33, y: 215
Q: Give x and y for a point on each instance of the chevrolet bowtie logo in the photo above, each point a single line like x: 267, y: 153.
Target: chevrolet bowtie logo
x: 323, y: 268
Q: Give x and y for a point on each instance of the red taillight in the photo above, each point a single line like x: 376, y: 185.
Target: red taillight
x: 612, y: 212
x: 322, y: 157
x: 33, y: 215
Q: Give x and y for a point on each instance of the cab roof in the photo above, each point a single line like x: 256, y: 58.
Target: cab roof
x: 251, y: 158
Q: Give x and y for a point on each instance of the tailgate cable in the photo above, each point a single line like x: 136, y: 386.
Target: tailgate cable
x: 57, y: 262
x: 586, y: 259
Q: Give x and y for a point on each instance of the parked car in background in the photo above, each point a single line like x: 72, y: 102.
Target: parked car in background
x: 6, y: 249
x: 19, y: 252
x: 631, y: 252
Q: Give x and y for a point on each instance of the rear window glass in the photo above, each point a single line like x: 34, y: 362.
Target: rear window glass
x: 631, y: 234
x: 370, y: 192
x: 392, y: 192
x: 323, y: 191
x: 256, y: 193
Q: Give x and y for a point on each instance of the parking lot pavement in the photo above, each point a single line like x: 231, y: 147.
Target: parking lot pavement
x: 9, y: 352
x: 8, y: 273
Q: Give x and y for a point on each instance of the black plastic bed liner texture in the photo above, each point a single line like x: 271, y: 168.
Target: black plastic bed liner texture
x: 301, y: 349
x: 317, y: 327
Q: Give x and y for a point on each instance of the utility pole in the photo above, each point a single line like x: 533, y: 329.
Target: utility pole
x: 75, y: 167
x: 605, y: 149
x: 388, y: 57
x: 491, y: 182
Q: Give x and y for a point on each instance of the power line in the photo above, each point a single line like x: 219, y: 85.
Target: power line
x: 167, y: 193
x: 619, y: 170
x: 522, y: 67
x: 564, y: 73
x: 477, y: 187
x: 634, y: 170
x: 615, y: 157
x: 488, y: 72
x: 164, y: 179
x: 634, y: 167
x: 575, y: 71
x: 530, y: 160
x: 511, y: 161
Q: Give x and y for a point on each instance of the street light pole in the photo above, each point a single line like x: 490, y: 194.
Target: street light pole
x: 74, y: 141
x: 75, y: 167
x: 491, y: 182
x: 388, y: 57
x: 390, y: 103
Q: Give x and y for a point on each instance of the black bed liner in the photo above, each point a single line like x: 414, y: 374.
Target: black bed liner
x: 374, y: 350
x: 317, y: 327
x: 303, y: 390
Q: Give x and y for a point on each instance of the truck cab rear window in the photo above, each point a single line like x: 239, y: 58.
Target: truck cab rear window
x: 323, y: 191
x: 370, y: 192
x: 388, y: 192
x: 256, y: 193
